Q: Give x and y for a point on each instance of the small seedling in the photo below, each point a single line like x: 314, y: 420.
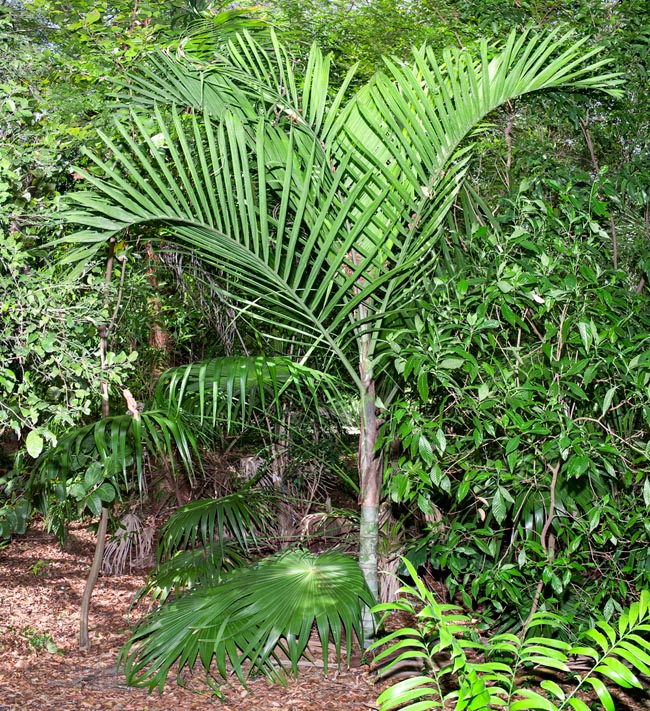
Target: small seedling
x: 38, y: 641
x: 38, y: 566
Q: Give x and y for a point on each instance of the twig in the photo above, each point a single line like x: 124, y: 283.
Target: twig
x: 584, y: 125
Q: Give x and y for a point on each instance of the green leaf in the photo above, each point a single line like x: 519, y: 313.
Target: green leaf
x: 615, y: 670
x: 512, y: 444
x: 452, y: 363
x: 94, y: 474
x: 94, y: 504
x: 441, y: 440
x: 602, y: 693
x: 34, y: 444
x: 425, y: 449
x: 250, y: 616
x: 585, y: 335
x: 92, y: 17
x: 77, y: 490
x: 578, y: 704
x: 532, y: 700
x: 646, y: 492
x: 607, y: 400
x: 499, y: 508
x: 553, y: 688
x: 106, y: 492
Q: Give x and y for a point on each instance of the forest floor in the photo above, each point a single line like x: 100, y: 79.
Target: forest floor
x: 42, y: 669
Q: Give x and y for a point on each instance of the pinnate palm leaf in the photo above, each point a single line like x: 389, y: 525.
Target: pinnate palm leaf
x: 614, y: 654
x: 311, y: 209
x: 118, y: 442
x: 235, y: 517
x: 229, y: 389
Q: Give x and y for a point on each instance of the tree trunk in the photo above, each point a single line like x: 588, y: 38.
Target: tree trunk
x: 84, y: 639
x: 370, y: 484
x: 93, y: 574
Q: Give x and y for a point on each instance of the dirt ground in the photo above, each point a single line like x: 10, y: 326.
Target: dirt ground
x: 41, y: 668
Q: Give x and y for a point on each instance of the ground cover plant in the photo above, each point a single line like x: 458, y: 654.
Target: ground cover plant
x: 507, y: 671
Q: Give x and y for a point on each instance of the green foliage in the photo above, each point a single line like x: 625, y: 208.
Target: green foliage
x: 206, y: 520
x: 231, y: 389
x: 262, y: 614
x: 318, y: 214
x: 526, y: 416
x: 94, y: 465
x: 50, y: 372
x: 459, y: 670
x: 365, y: 33
x: 205, y: 539
x: 38, y: 641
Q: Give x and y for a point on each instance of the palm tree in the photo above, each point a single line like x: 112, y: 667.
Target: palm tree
x: 322, y: 213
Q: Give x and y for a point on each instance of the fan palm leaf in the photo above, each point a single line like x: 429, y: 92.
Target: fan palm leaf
x: 262, y: 615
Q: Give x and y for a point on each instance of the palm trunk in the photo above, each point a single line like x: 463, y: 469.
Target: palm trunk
x: 370, y: 482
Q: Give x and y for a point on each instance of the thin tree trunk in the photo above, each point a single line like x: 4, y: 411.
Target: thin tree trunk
x: 84, y: 638
x: 370, y: 483
x: 93, y: 574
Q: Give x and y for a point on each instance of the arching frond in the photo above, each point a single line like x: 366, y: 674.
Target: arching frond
x: 229, y: 389
x: 311, y: 209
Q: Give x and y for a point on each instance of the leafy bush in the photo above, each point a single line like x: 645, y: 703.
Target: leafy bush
x: 49, y: 372
x: 524, y: 422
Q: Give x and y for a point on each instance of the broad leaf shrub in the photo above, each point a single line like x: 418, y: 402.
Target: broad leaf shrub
x: 258, y: 619
x: 455, y: 669
x: 523, y: 423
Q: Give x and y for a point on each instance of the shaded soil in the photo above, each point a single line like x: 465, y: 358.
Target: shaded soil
x: 41, y: 668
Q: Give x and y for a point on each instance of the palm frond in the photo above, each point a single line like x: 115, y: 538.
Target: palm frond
x: 310, y: 208
x: 431, y: 113
x: 262, y: 615
x: 229, y: 389
x: 206, y: 37
x: 117, y: 446
x: 204, y: 566
x: 236, y: 517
